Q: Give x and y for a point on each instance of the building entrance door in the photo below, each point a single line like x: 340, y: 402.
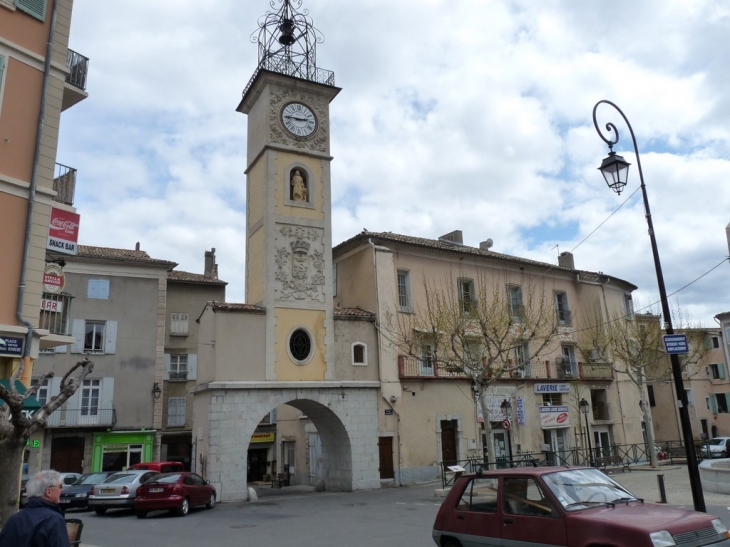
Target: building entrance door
x: 558, y: 447
x: 448, y: 442
x: 256, y: 464
x: 67, y: 454
x: 385, y: 448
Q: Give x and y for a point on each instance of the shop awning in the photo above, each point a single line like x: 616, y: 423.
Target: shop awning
x: 30, y: 404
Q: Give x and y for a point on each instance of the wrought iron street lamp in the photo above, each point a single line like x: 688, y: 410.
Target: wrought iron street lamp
x: 584, y: 406
x: 506, y: 407
x: 615, y: 170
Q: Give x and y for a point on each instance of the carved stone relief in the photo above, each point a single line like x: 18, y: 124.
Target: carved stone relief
x: 316, y: 141
x: 300, y: 264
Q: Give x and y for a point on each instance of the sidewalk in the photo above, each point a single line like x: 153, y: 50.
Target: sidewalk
x: 642, y: 482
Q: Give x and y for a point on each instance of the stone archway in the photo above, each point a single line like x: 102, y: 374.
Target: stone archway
x: 346, y: 419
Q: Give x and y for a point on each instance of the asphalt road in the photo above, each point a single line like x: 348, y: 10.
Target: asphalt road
x: 393, y: 517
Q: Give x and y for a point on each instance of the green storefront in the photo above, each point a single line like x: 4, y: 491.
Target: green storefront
x: 117, y: 451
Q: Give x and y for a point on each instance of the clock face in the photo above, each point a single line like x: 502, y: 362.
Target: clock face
x: 298, y: 119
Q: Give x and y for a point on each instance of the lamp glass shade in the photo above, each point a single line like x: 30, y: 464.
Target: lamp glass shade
x: 615, y: 170
x: 506, y: 408
x: 583, y: 406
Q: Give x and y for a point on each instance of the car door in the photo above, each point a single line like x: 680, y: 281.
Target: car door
x: 477, y: 521
x: 201, y: 490
x: 528, y: 515
x: 191, y: 491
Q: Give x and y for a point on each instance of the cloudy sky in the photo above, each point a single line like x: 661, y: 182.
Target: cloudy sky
x: 454, y: 114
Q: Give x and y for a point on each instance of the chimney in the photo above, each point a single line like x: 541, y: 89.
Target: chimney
x: 486, y: 245
x: 211, y: 268
x: 565, y: 260
x: 453, y: 237
x: 136, y: 247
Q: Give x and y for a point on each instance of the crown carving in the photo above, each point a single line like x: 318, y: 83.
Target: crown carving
x: 299, y: 246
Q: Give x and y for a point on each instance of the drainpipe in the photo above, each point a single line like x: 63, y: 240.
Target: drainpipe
x: 26, y: 368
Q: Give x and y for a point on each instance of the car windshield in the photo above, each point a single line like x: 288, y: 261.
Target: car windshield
x: 121, y: 477
x: 166, y: 479
x: 90, y: 478
x: 582, y: 488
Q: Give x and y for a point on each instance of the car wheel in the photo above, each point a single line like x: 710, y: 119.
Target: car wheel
x: 100, y: 510
x: 184, y: 508
x: 141, y: 514
x: 211, y: 503
x: 723, y: 454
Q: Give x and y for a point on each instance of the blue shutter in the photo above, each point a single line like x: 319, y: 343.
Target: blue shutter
x: 192, y: 366
x: 36, y: 8
x: 713, y: 404
x: 721, y: 371
x: 110, y: 342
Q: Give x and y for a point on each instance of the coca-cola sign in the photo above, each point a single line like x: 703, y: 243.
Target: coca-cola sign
x: 63, y: 231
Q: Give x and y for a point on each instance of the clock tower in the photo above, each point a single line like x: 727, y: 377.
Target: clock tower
x: 288, y: 210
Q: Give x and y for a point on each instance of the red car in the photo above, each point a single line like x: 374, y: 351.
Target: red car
x: 177, y: 492
x: 575, y: 507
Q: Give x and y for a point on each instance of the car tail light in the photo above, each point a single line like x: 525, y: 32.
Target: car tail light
x: 176, y: 490
x: 125, y: 490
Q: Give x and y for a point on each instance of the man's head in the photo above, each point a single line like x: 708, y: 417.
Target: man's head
x: 45, y: 484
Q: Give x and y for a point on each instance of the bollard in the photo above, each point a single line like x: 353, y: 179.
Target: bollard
x: 662, y: 492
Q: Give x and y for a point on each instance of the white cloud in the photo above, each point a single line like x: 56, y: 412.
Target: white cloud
x: 472, y: 115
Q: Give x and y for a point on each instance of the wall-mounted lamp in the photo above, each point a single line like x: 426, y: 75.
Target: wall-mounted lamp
x: 393, y: 398
x: 156, y: 391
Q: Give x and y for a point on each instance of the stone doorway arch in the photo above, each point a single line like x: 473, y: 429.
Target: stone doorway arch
x: 345, y: 417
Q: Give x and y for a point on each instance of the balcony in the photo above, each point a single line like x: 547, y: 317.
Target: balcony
x: 601, y: 411
x: 87, y: 417
x: 55, y: 310
x: 64, y: 184
x: 596, y: 371
x: 75, y: 89
x: 411, y: 367
x: 180, y: 376
x: 565, y: 368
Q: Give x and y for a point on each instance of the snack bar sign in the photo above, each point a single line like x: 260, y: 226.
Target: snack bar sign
x: 63, y: 231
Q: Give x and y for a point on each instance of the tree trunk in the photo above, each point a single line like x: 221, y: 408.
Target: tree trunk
x: 487, y: 427
x: 10, y: 466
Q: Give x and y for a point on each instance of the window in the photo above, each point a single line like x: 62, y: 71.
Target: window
x: 466, y: 295
x: 334, y: 279
x: 561, y: 308
x: 716, y: 371
x: 473, y: 352
x: 690, y: 396
x: 523, y: 496
x: 628, y: 306
x: 90, y: 391
x: 55, y: 310
x: 404, y: 290
x: 426, y: 358
x: 178, y: 367
x: 514, y: 294
x: 94, y: 337
x: 359, y: 354
x: 176, y: 411
x: 568, y: 366
x: 300, y: 345
x: 650, y: 392
x: 42, y: 393
x: 480, y: 496
x: 179, y: 324
x: 35, y: 8
x: 98, y: 288
x: 718, y: 403
x: 552, y: 399
x: 715, y: 342
x: 522, y: 361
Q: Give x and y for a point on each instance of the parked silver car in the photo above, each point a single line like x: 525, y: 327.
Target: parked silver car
x: 719, y: 447
x: 118, y: 491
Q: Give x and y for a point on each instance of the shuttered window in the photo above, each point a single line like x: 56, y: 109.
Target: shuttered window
x: 176, y: 411
x: 36, y: 8
x: 179, y: 324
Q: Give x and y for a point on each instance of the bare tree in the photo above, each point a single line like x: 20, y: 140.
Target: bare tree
x: 16, y: 427
x: 633, y: 346
x: 483, y: 330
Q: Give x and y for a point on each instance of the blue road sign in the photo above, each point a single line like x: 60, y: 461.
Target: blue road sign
x: 675, y: 343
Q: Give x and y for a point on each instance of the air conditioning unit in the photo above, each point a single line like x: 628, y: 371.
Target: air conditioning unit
x: 593, y: 355
x: 519, y: 373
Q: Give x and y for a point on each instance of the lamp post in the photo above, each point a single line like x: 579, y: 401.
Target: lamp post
x: 506, y: 407
x: 584, y: 410
x: 615, y: 170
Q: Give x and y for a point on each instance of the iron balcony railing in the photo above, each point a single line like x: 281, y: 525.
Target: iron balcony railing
x: 79, y: 68
x: 601, y: 411
x: 83, y: 417
x: 64, y: 183
x: 181, y: 376
x: 55, y: 311
x: 413, y: 367
x: 284, y: 65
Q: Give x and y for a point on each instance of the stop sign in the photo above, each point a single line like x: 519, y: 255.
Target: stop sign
x: 505, y: 424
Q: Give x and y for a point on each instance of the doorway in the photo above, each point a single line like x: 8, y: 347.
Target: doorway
x: 449, y: 455
x: 556, y: 439
x: 256, y: 464
x: 315, y: 458
x: 67, y: 454
x: 602, y: 441
x: 385, y: 449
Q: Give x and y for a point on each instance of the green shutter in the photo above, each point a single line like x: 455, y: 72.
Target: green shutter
x: 721, y: 371
x: 36, y: 8
x: 713, y: 404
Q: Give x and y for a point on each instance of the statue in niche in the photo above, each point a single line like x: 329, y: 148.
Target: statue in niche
x: 298, y: 187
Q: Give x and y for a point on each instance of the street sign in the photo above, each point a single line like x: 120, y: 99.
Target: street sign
x: 11, y: 346
x: 675, y: 344
x: 505, y: 424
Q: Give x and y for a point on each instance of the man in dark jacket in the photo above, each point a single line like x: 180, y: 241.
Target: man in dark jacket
x: 40, y: 523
